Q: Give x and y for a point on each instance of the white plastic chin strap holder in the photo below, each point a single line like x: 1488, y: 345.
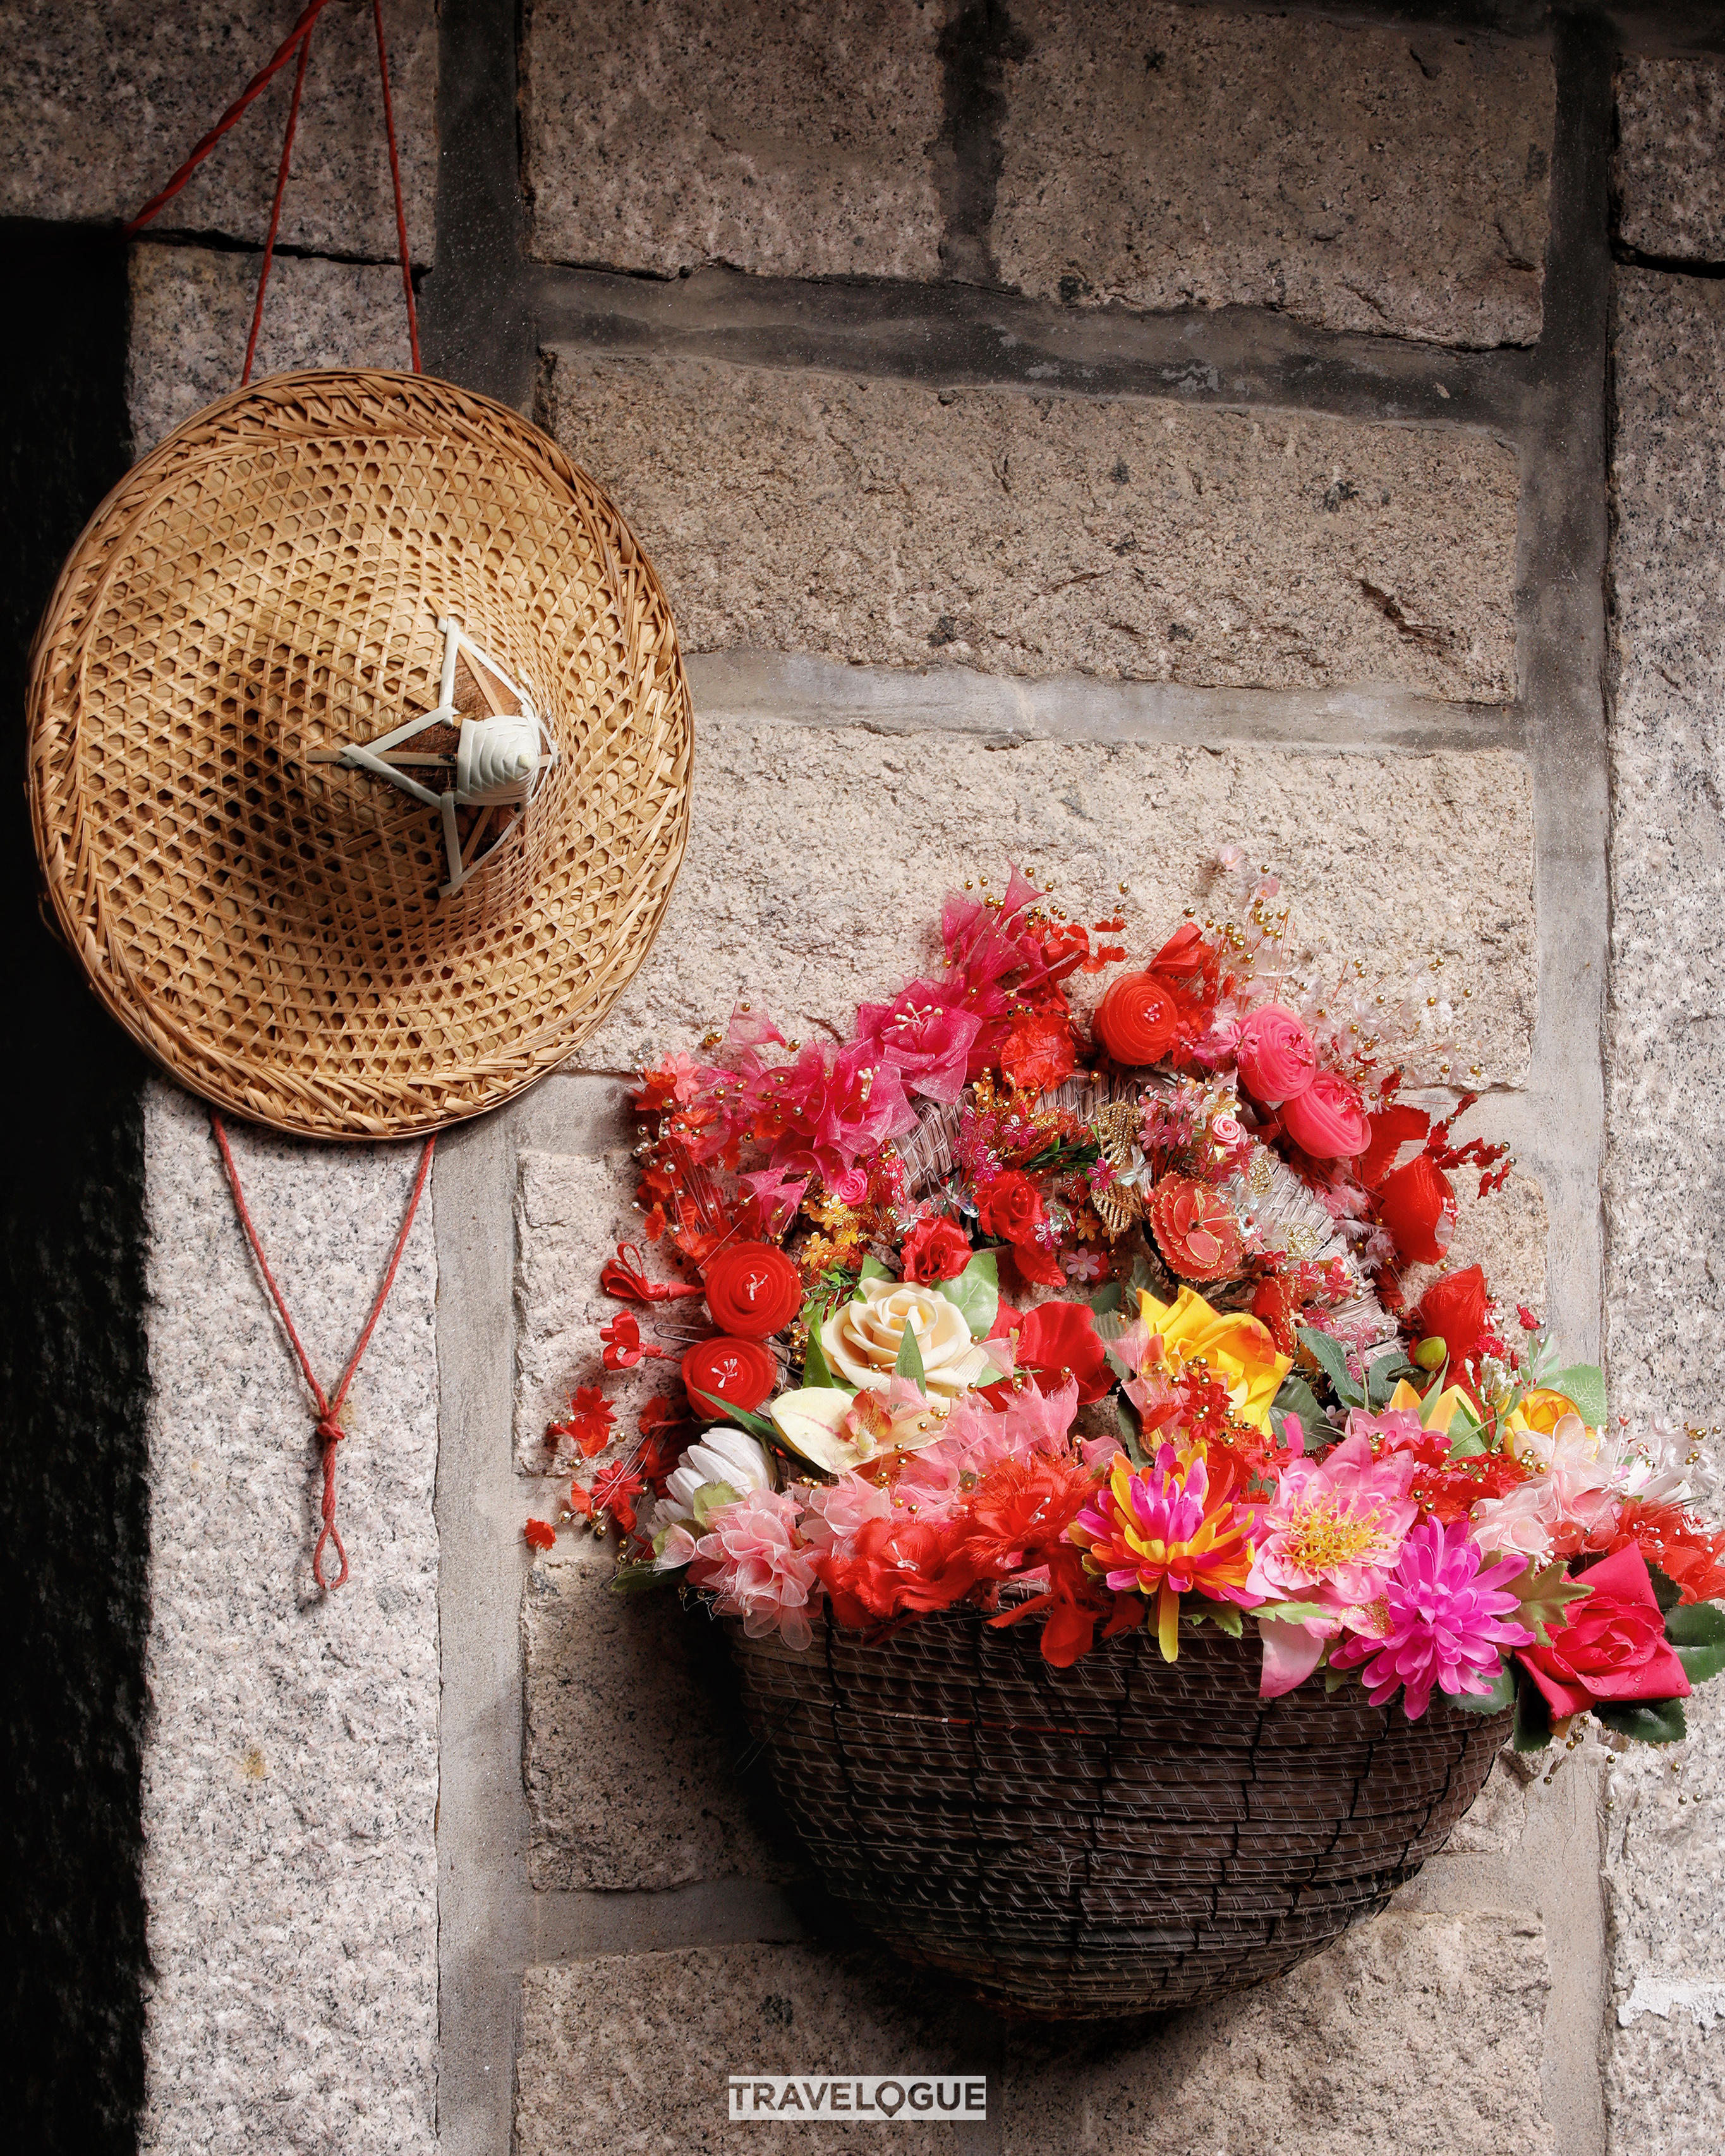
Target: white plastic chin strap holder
x: 498, y: 763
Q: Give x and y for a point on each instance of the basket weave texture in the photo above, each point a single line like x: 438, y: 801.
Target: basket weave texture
x: 268, y: 584
x: 1123, y: 1837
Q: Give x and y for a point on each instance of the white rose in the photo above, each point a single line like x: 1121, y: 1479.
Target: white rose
x: 862, y: 1337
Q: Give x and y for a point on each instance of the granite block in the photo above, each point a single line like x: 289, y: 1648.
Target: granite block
x: 100, y: 104
x: 630, y: 2053
x: 1393, y: 180
x: 1420, y: 2032
x: 632, y: 1739
x: 817, y: 857
x: 191, y: 313
x: 1669, y: 178
x: 800, y: 141
x: 291, y: 1779
x: 891, y: 524
x: 1664, y: 1171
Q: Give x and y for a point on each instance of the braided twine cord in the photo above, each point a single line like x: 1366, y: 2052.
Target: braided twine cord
x: 1127, y: 1836
x: 267, y: 583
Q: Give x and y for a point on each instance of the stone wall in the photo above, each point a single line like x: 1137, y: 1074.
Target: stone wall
x: 1071, y: 435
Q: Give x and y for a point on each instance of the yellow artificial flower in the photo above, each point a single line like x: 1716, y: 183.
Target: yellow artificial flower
x: 1436, y: 1414
x: 1236, y: 1346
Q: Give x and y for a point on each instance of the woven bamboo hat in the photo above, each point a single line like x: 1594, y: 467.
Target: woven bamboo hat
x: 359, y: 754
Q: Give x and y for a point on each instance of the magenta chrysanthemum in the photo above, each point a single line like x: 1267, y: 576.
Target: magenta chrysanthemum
x: 1445, y: 1629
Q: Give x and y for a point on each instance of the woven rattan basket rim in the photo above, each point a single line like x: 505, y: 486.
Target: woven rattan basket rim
x: 327, y: 993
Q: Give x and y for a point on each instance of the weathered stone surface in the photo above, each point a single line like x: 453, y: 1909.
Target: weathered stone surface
x: 1670, y: 156
x: 100, y: 103
x: 1664, y: 1181
x: 886, y: 522
x: 800, y: 141
x: 1505, y: 1232
x: 1360, y: 178
x: 818, y: 855
x: 1497, y: 1818
x: 1417, y: 2031
x: 631, y: 1753
x: 1665, y: 1875
x: 291, y: 1779
x: 631, y: 2052
x: 191, y: 313
x: 571, y: 1211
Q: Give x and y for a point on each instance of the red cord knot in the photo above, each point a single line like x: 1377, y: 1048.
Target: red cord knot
x: 330, y: 1432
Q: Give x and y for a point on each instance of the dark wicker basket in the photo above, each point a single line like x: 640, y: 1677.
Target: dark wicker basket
x: 1123, y: 1837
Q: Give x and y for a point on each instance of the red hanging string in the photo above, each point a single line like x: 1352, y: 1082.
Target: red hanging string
x: 287, y: 154
x: 401, y: 214
x: 329, y: 1406
x: 299, y: 38
x: 259, y: 83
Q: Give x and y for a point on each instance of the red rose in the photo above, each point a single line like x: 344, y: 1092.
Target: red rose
x: 1011, y: 1207
x: 1274, y: 1055
x: 1613, y: 1646
x: 738, y: 1373
x: 1453, y: 1309
x: 1418, y: 1206
x: 1328, y: 1119
x: 752, y: 1289
x: 934, y: 1250
x: 1057, y: 1340
x: 1135, y: 1021
x: 1197, y: 1233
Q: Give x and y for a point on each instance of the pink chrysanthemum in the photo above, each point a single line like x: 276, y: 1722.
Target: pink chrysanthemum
x: 1446, y: 1628
x: 756, y: 1565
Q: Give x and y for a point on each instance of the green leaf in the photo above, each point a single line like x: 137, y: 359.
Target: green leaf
x: 1697, y: 1633
x: 707, y: 1500
x: 1225, y: 1618
x: 1335, y: 1679
x: 634, y: 1578
x: 910, y: 1359
x: 1469, y: 1445
x: 1381, y: 1378
x: 1297, y: 1398
x: 1141, y: 1280
x: 976, y: 1293
x: 816, y: 1370
x: 1333, y: 1361
x: 726, y: 1411
x: 1108, y: 1297
x: 1584, y: 1383
x: 872, y: 1269
x: 1666, y: 1593
x: 1545, y: 1596
x: 1292, y: 1612
x: 1533, y: 1715
x: 1493, y: 1701
x: 1131, y: 1439
x: 1651, y: 1721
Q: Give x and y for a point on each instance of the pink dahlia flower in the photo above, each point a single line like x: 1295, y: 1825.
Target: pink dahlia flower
x: 1445, y: 1630
x: 1331, y: 1535
x: 759, y: 1567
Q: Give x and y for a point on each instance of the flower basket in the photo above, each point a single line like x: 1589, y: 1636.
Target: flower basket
x: 1125, y: 1836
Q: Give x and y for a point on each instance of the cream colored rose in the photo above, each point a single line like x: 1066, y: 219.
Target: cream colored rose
x: 861, y: 1340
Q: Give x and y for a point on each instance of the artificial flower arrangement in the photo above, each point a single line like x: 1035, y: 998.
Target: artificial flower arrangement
x: 1105, y: 1327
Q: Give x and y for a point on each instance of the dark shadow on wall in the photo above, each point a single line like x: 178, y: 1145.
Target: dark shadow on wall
x: 74, y: 1508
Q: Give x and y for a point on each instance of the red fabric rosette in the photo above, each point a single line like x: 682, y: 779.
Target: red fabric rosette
x: 1329, y: 1118
x: 735, y: 1373
x: 1274, y: 1055
x: 1136, y: 1019
x: 752, y: 1289
x: 1195, y: 1229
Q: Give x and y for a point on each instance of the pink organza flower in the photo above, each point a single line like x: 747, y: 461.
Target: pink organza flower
x: 927, y: 1034
x: 839, y: 1110
x: 836, y: 1509
x: 1446, y: 1628
x: 1561, y: 1507
x: 1331, y: 1535
x: 758, y: 1568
